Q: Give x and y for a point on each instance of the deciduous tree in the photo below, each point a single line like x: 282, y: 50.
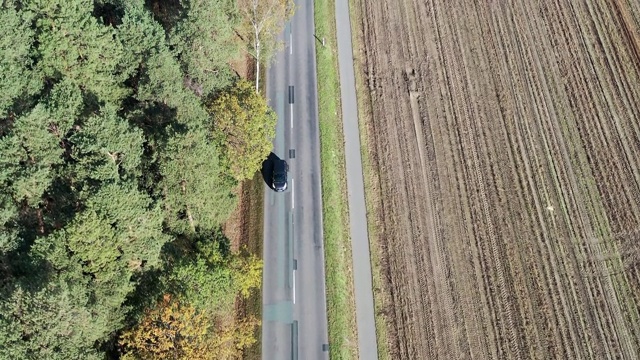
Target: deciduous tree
x: 244, y: 127
x: 171, y: 330
x: 263, y: 20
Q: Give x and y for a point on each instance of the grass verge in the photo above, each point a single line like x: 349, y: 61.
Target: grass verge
x: 338, y: 261
x: 371, y: 182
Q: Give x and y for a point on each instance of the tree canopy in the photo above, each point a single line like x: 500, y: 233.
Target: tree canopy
x: 262, y: 21
x: 114, y: 175
x: 244, y: 127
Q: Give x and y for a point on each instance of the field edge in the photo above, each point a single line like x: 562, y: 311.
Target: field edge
x: 337, y: 242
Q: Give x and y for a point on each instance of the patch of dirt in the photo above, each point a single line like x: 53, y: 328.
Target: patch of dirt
x: 507, y: 142
x: 244, y: 230
x: 245, y: 67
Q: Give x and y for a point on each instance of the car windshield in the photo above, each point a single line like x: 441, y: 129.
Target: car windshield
x: 278, y: 178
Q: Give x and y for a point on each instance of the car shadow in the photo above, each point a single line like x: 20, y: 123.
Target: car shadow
x: 267, y: 169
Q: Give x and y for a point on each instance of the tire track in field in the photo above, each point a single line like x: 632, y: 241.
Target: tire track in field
x: 504, y: 112
x: 466, y: 113
x: 410, y: 320
x: 553, y: 146
x: 499, y: 237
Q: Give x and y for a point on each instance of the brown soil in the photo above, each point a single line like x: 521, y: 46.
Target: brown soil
x: 506, y: 139
x: 244, y: 230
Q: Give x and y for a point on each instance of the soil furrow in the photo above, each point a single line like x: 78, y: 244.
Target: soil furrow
x: 506, y: 142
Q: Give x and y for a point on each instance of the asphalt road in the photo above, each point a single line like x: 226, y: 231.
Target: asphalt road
x: 294, y: 324
x: 367, y: 344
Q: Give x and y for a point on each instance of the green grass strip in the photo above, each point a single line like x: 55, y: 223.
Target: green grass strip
x: 338, y: 262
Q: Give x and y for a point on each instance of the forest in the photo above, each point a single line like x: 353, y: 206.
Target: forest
x: 124, y: 130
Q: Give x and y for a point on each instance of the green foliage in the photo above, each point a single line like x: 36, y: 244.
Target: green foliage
x: 160, y: 78
x: 209, y: 277
x: 32, y: 150
x: 197, y: 195
x: 8, y: 228
x: 55, y: 322
x: 106, y: 147
x: 107, y: 159
x: 73, y: 45
x: 244, y: 127
x: 207, y: 286
x: 126, y: 225
x: 88, y: 269
x: 206, y: 42
x: 16, y: 58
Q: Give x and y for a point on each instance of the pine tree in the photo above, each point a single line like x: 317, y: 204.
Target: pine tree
x: 106, y: 147
x: 75, y: 46
x: 205, y: 41
x: 196, y: 192
x: 17, y: 53
x: 33, y: 148
x: 107, y: 158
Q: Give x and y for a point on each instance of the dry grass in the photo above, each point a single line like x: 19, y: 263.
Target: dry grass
x: 371, y: 182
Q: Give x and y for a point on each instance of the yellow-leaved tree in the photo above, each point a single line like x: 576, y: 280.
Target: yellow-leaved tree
x: 171, y: 330
x: 244, y: 127
x: 177, y: 331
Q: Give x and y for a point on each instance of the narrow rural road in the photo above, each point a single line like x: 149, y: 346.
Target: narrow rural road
x: 367, y: 344
x: 294, y: 324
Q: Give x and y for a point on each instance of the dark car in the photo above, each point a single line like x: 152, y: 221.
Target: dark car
x: 279, y: 179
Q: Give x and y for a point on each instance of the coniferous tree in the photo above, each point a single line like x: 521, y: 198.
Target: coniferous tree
x: 196, y: 193
x: 17, y: 52
x: 107, y: 157
x: 205, y: 42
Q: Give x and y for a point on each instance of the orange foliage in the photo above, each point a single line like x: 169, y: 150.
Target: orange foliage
x: 169, y: 331
x: 177, y: 331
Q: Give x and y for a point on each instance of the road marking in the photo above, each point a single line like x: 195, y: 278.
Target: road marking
x: 293, y: 195
x: 294, y: 286
x: 294, y: 340
x: 291, y: 101
x: 290, y: 44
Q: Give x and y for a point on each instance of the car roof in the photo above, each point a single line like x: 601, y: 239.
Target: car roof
x: 280, y: 165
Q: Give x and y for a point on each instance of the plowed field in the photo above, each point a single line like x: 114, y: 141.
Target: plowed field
x: 506, y: 135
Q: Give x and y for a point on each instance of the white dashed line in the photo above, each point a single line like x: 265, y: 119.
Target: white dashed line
x: 293, y: 195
